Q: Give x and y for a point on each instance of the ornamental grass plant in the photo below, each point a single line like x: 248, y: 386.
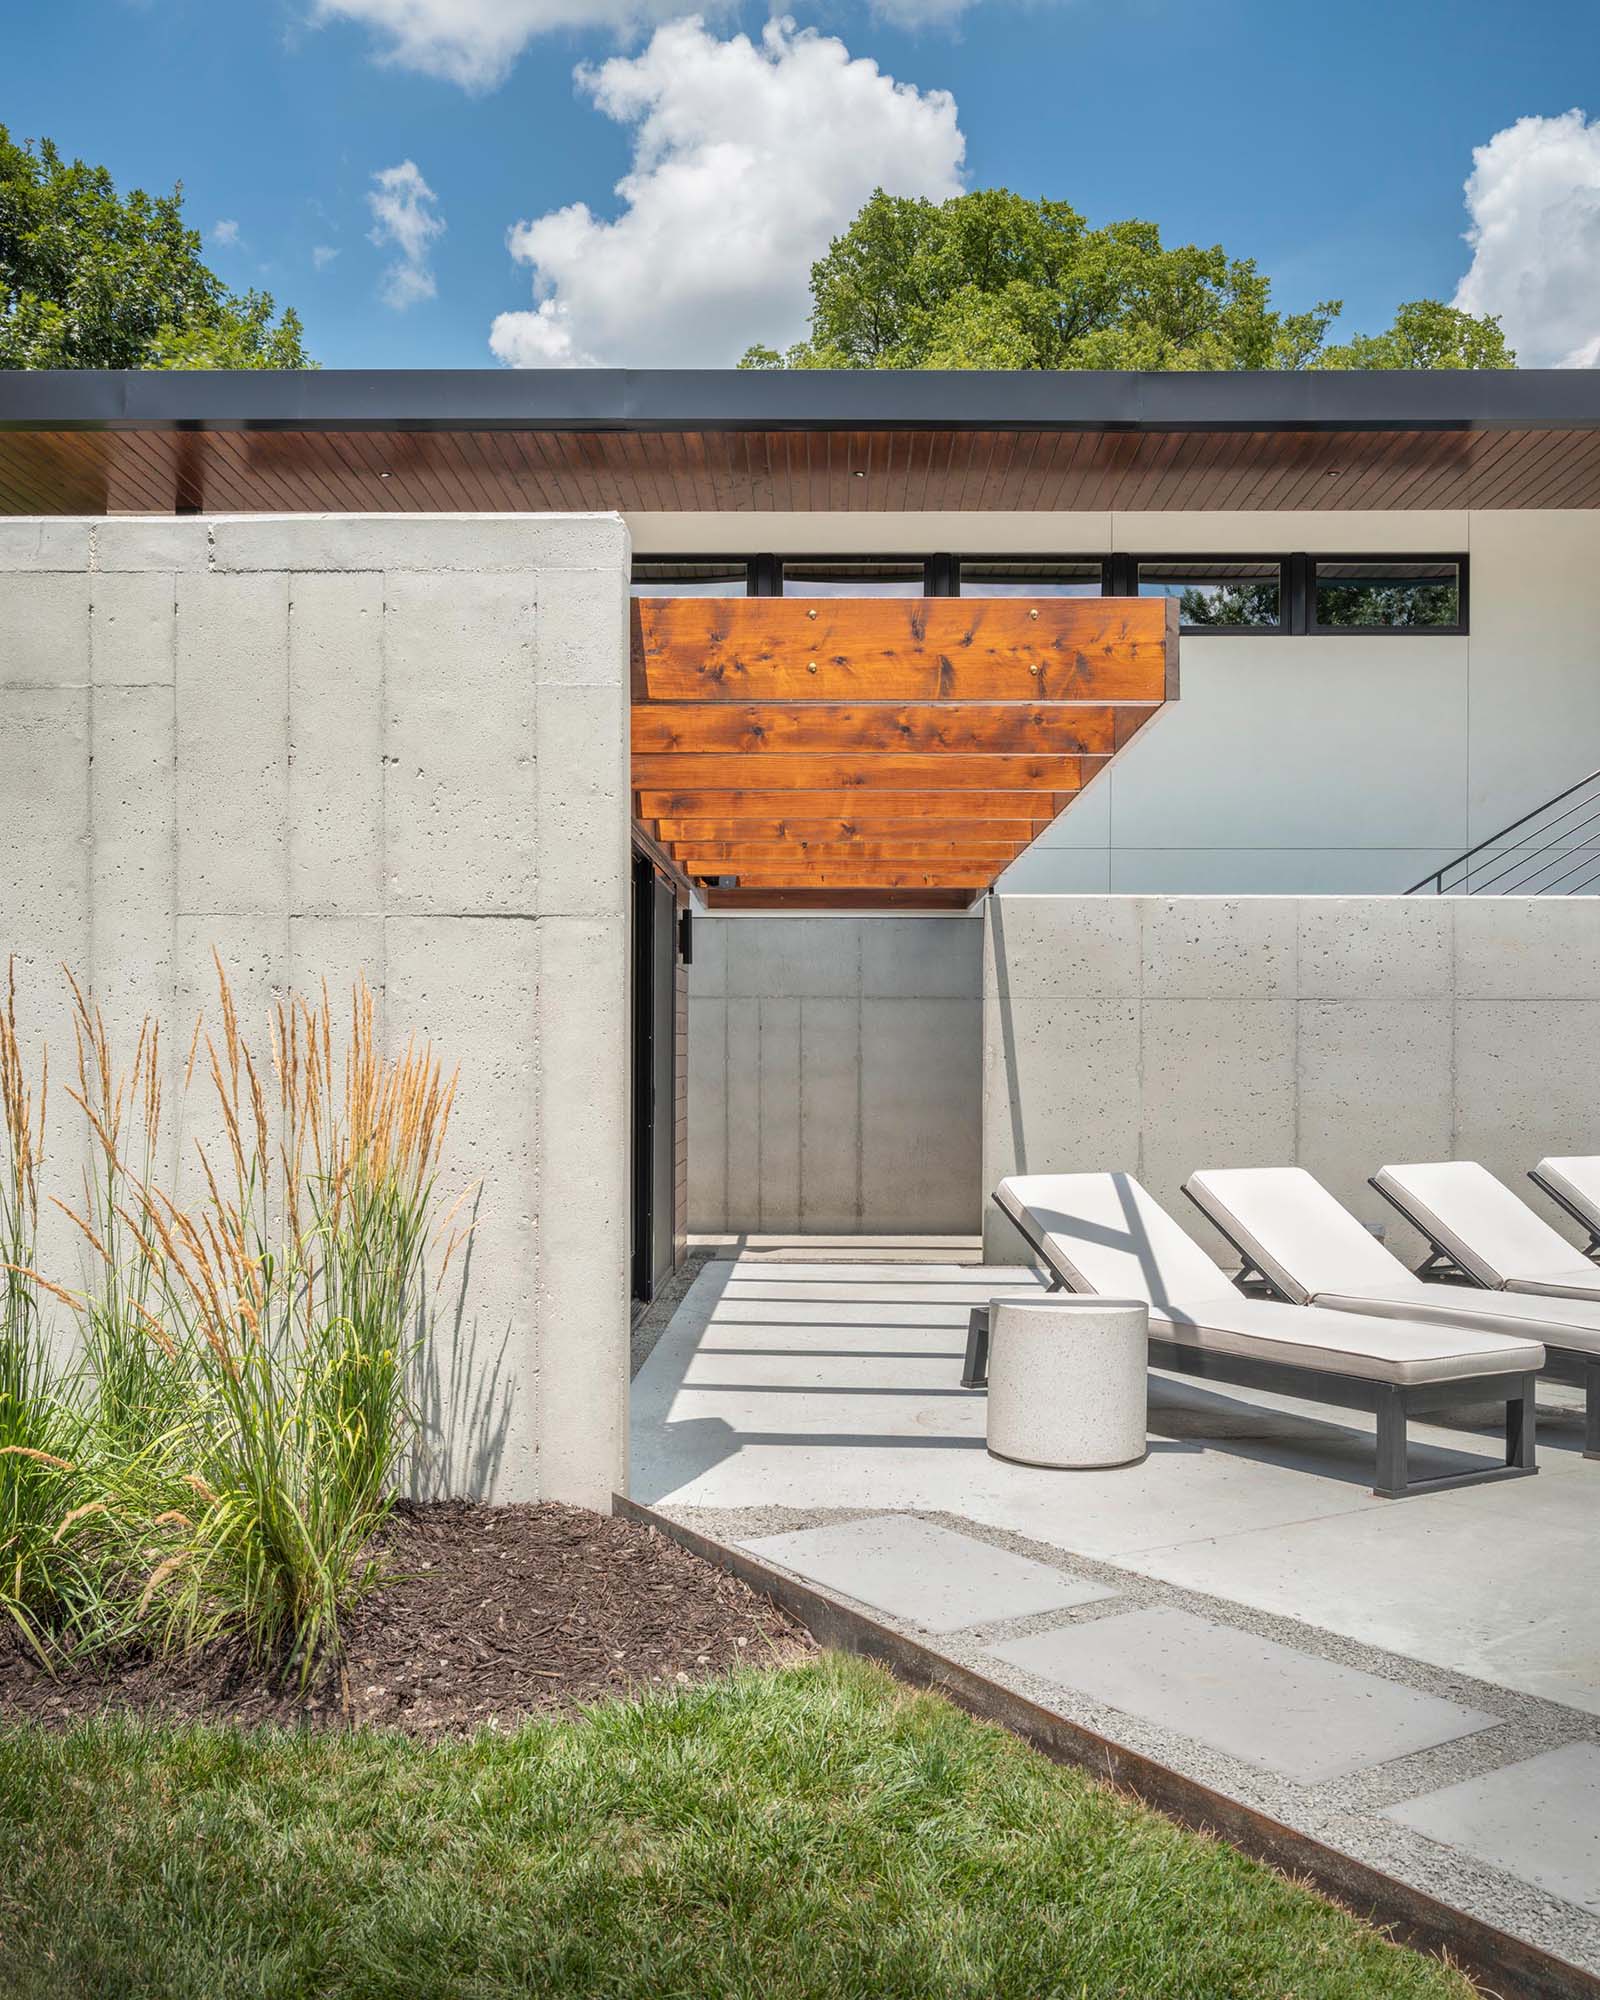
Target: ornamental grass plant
x: 42, y: 1591
x: 221, y: 1459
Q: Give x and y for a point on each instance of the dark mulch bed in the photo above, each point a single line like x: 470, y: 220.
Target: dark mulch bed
x: 494, y: 1613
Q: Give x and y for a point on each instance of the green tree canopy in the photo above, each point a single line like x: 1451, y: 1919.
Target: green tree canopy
x: 993, y: 280
x: 93, y: 279
x: 1426, y: 334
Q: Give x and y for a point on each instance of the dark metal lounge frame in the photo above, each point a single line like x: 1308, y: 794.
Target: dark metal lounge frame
x: 1393, y: 1403
x: 1563, y: 1364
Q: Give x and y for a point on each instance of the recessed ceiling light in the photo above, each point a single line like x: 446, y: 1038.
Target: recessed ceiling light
x: 385, y: 475
x: 861, y: 475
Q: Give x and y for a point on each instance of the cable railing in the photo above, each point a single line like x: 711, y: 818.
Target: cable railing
x: 1552, y: 851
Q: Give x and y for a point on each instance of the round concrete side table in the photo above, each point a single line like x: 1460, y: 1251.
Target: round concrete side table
x: 1068, y: 1381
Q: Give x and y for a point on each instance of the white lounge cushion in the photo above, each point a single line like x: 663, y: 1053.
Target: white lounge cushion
x: 1104, y: 1233
x: 1573, y: 1324
x: 1312, y: 1247
x: 1575, y: 1178
x: 1571, y: 1284
x: 1491, y: 1233
x: 1292, y: 1229
x: 1374, y: 1346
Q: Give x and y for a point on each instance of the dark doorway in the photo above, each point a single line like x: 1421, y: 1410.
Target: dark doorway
x: 655, y: 949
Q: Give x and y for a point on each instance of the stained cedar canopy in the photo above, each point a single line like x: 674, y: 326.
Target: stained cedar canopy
x: 883, y: 750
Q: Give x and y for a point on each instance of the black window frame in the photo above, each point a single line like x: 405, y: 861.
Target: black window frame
x: 933, y: 570
x: 730, y: 562
x: 1088, y: 560
x: 1125, y: 567
x: 1119, y: 577
x: 1311, y: 629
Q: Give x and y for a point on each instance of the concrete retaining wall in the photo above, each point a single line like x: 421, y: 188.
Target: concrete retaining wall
x: 1162, y: 1034
x: 833, y: 1074
x: 397, y: 745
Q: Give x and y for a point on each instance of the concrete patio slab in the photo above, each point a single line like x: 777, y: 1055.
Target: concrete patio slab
x: 796, y: 1395
x: 824, y: 1269
x: 927, y: 1576
x: 799, y: 1307
x: 919, y: 1289
x: 953, y: 1250
x: 1538, y: 1819
x: 767, y: 1392
x: 1273, y: 1706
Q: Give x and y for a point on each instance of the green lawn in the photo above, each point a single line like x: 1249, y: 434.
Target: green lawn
x: 813, y: 1831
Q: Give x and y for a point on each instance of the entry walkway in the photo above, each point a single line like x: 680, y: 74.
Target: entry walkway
x: 1415, y: 1681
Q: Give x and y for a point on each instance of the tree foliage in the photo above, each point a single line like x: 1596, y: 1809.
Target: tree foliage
x: 1426, y: 334
x: 93, y: 279
x: 993, y: 280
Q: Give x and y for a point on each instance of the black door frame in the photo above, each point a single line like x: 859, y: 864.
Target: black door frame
x: 654, y: 947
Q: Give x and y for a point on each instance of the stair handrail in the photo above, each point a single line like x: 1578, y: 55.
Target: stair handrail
x: 1437, y: 875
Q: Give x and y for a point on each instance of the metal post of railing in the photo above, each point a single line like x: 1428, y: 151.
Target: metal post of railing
x: 1524, y: 854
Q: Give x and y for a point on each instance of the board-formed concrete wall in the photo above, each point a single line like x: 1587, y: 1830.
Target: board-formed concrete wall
x: 834, y: 1064
x: 1161, y: 1034
x: 396, y: 745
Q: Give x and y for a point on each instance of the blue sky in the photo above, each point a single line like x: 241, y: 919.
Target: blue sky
x: 1331, y: 145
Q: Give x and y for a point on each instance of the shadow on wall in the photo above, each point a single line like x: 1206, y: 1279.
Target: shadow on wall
x: 463, y: 1399
x: 1008, y: 1037
x: 1003, y: 1242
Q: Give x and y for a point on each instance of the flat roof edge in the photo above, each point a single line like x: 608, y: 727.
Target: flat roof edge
x: 809, y: 400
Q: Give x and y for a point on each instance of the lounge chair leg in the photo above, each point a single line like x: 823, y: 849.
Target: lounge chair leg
x: 1442, y: 1268
x: 1520, y: 1426
x: 1391, y: 1480
x: 1254, y: 1282
x: 1591, y: 1409
x: 975, y: 1372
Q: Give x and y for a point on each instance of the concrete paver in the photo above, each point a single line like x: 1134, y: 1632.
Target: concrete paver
x: 1490, y: 1590
x: 1538, y: 1819
x: 926, y: 1575
x: 1288, y: 1711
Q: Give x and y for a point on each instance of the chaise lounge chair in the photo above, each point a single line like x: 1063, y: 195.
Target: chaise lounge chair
x: 1483, y: 1234
x: 1573, y: 1183
x: 1308, y: 1250
x: 1104, y: 1233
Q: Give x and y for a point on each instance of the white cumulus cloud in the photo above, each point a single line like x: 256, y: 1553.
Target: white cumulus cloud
x: 406, y: 218
x: 475, y: 42
x: 920, y: 13
x: 1534, y: 199
x: 225, y: 234
x: 748, y: 157
x: 322, y: 255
